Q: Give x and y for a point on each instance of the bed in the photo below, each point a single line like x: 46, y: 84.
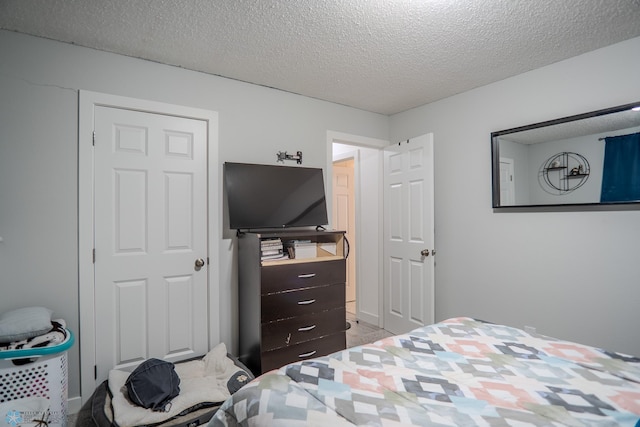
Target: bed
x: 459, y: 372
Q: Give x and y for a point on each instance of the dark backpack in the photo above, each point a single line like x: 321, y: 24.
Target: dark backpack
x: 153, y: 384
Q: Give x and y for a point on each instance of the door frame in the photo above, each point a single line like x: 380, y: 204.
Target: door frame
x: 87, y: 101
x: 372, y: 143
x: 511, y: 187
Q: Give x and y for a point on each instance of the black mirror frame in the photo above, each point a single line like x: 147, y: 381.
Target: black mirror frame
x: 495, y: 169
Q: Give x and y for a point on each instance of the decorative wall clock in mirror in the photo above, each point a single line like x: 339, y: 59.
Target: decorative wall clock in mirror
x: 586, y: 160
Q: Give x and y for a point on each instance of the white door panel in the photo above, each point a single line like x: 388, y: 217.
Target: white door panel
x: 150, y: 227
x: 408, y: 231
x: 344, y: 217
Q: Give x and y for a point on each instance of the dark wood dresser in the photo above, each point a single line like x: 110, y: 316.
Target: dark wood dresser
x: 291, y: 309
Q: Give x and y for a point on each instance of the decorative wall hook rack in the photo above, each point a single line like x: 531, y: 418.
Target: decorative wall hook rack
x: 283, y: 155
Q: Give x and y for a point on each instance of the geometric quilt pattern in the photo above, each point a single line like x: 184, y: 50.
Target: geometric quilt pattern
x: 459, y: 372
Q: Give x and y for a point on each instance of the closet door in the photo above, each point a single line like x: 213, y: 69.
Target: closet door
x: 150, y: 237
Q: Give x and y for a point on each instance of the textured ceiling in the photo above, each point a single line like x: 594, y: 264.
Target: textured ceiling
x: 384, y: 56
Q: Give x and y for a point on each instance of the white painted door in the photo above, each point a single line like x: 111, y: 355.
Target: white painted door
x: 150, y: 228
x: 344, y: 218
x: 507, y: 184
x: 408, y: 235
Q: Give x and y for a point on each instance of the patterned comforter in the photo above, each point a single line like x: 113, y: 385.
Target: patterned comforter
x: 460, y: 372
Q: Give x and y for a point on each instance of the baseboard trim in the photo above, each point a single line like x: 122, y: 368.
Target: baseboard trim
x: 369, y: 318
x: 74, y: 405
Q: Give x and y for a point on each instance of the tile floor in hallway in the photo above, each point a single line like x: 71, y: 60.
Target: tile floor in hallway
x: 362, y: 332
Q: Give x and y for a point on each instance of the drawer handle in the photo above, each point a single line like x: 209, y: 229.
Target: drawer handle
x: 309, y: 354
x: 306, y: 328
x: 306, y: 302
x: 306, y: 276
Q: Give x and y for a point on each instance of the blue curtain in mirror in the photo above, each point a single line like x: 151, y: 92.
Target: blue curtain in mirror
x: 621, y: 170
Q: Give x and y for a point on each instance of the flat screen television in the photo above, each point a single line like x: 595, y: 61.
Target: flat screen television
x: 270, y: 196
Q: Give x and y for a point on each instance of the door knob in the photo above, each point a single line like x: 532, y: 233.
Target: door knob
x: 424, y: 252
x: 199, y: 263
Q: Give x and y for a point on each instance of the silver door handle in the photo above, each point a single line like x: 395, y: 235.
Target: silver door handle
x: 199, y: 263
x: 424, y: 252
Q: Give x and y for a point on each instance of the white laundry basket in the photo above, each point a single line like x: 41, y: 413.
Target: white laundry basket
x: 33, y: 386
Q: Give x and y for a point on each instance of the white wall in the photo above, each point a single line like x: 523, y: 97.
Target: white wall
x: 39, y: 83
x: 573, y: 275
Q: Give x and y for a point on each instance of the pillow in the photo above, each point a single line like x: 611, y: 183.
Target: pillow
x: 23, y: 323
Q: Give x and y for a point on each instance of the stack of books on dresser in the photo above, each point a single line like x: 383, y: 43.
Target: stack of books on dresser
x: 271, y: 249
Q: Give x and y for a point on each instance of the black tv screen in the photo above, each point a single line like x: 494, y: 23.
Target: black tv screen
x: 268, y: 196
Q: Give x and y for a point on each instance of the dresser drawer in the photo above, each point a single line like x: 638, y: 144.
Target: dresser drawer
x: 303, y: 351
x: 278, y: 278
x: 305, y: 301
x: 284, y: 333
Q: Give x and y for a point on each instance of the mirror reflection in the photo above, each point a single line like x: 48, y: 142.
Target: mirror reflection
x: 587, y: 159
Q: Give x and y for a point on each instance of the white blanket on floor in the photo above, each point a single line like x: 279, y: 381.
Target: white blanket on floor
x: 203, y: 380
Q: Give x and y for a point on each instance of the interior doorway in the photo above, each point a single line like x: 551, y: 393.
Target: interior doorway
x: 369, y: 224
x: 366, y: 243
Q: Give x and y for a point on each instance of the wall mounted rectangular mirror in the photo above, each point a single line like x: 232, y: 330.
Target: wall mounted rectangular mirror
x: 586, y: 160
